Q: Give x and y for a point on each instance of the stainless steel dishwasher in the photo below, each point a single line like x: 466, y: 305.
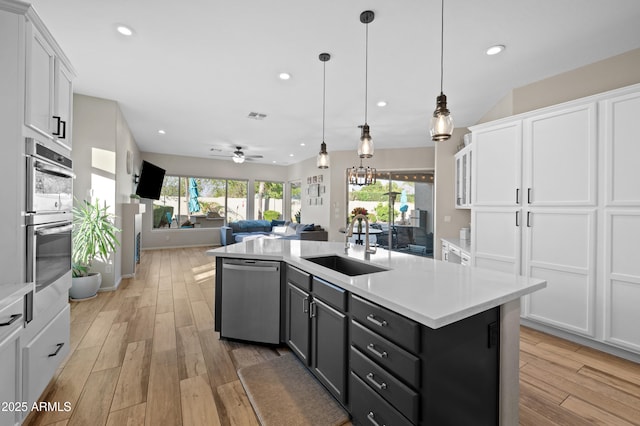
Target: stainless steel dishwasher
x: 250, y: 300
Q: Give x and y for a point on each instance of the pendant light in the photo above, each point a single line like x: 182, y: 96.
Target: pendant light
x: 441, y: 123
x: 365, y: 147
x: 361, y: 175
x: 323, y: 156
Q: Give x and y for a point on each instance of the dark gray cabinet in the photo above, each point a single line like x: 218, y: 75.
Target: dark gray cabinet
x: 298, y: 322
x: 316, y: 328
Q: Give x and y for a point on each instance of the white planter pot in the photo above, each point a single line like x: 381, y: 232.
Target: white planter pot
x: 85, y: 287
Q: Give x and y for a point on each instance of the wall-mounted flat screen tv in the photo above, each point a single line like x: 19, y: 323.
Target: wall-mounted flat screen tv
x: 150, y: 181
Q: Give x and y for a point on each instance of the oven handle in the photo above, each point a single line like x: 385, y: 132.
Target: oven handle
x: 54, y: 170
x: 55, y: 230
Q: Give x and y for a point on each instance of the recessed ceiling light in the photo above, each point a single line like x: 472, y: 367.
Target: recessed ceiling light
x: 290, y: 155
x: 162, y: 132
x: 124, y: 30
x: 494, y: 50
x: 382, y: 104
x: 274, y: 161
x: 301, y: 143
x: 284, y: 76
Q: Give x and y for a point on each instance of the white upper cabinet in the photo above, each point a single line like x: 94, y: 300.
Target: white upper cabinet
x: 40, y: 83
x: 561, y: 157
x: 498, y: 179
x: 48, y: 89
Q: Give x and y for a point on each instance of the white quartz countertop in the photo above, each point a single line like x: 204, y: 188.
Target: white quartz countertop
x: 431, y: 292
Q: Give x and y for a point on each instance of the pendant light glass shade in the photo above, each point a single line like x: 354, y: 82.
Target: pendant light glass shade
x: 441, y: 127
x: 322, y: 162
x: 239, y: 159
x: 365, y: 147
x: 441, y: 121
x: 323, y: 157
x: 361, y: 175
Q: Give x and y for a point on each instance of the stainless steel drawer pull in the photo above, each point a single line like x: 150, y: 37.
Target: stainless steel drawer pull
x: 372, y: 318
x: 372, y: 380
x: 59, y: 345
x: 371, y: 348
x: 14, y: 318
x: 372, y: 418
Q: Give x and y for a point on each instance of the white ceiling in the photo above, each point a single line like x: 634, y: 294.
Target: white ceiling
x: 197, y: 68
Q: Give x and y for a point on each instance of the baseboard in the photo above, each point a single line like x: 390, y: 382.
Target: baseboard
x: 604, y: 347
x: 211, y: 246
x: 112, y: 288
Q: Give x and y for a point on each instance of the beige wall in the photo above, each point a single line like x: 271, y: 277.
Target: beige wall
x: 448, y: 219
x: 611, y: 73
x: 101, y: 139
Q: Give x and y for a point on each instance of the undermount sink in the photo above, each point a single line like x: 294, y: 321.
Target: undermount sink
x: 345, y: 265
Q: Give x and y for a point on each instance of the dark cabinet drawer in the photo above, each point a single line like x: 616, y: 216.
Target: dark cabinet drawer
x: 394, y: 327
x: 399, y: 362
x: 333, y: 295
x: 402, y: 397
x: 299, y: 278
x: 368, y: 408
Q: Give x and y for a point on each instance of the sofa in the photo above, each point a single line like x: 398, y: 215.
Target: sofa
x: 244, y: 230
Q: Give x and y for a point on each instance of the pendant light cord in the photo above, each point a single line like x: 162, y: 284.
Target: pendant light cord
x: 366, y: 70
x: 441, y: 45
x: 324, y: 93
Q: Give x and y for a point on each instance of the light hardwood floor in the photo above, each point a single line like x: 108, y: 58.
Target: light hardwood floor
x: 147, y: 355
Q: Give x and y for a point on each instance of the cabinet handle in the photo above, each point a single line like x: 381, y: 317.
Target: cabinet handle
x: 58, y: 120
x: 312, y: 305
x: 529, y: 219
x: 64, y: 129
x: 528, y: 195
x: 305, y: 305
x: 517, y: 195
x: 371, y: 348
x: 59, y: 345
x: 372, y: 418
x: 380, y: 386
x: 14, y: 318
x: 517, y: 219
x: 372, y: 318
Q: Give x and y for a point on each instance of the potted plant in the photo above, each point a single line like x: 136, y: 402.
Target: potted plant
x: 94, y: 237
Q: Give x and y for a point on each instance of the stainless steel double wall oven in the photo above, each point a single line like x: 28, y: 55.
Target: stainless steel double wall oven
x: 49, y: 203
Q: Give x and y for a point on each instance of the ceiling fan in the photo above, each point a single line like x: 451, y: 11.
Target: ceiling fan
x: 237, y: 156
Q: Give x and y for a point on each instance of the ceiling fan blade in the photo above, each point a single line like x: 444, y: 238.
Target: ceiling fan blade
x: 253, y: 156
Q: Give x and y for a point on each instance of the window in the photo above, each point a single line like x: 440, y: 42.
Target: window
x: 269, y: 200
x: 195, y: 202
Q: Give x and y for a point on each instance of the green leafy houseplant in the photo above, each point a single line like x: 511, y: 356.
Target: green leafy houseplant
x: 94, y: 236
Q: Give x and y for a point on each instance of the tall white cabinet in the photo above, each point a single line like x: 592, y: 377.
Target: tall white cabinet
x: 556, y: 196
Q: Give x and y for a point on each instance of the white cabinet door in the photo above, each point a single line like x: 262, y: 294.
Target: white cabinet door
x: 496, y: 238
x: 10, y: 378
x: 622, y: 173
x: 560, y: 248
x: 43, y: 355
x: 622, y: 282
x: 40, y: 74
x: 497, y: 165
x: 63, y: 103
x: 560, y: 157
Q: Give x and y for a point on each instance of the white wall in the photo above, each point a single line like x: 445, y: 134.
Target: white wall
x: 101, y: 139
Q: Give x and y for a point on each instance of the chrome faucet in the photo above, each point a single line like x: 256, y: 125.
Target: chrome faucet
x: 368, y: 250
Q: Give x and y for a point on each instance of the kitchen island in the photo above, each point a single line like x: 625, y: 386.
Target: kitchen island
x: 430, y: 299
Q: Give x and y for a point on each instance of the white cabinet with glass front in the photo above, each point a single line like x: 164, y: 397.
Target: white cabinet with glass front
x: 463, y: 177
